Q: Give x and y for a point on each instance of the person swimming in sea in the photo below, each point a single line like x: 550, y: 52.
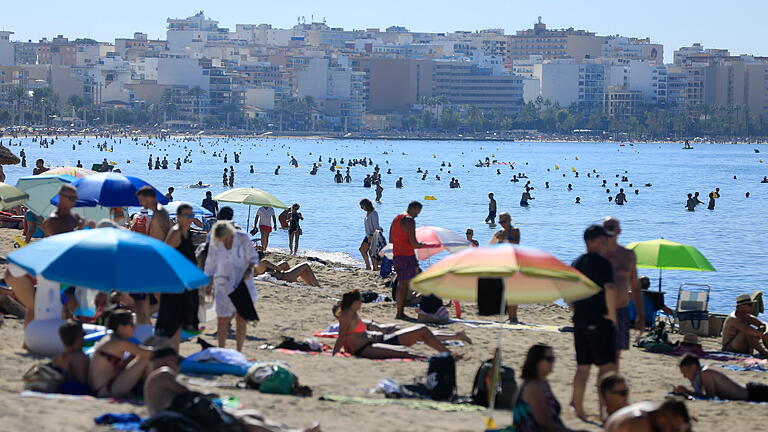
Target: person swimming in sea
x: 526, y: 197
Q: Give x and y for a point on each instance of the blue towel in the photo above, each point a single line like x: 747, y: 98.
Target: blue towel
x: 111, y: 418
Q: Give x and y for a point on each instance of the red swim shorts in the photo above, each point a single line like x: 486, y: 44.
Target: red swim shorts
x: 266, y: 229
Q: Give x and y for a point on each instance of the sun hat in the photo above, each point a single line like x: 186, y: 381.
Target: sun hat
x: 742, y: 299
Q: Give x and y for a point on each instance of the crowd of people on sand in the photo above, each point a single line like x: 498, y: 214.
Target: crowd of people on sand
x: 227, y: 253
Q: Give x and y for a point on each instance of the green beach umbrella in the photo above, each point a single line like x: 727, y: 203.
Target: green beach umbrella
x: 666, y: 255
x: 250, y: 197
x: 11, y: 196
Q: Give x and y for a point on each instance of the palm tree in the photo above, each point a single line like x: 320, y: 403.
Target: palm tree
x: 197, y: 93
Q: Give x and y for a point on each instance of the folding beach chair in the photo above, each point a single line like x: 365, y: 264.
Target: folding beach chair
x: 692, y: 309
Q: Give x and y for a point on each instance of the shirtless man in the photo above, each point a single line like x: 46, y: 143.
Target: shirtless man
x: 62, y: 219
x: 507, y: 234
x: 162, y: 387
x: 670, y: 416
x: 711, y: 383
x: 621, y: 197
x: 159, y: 226
x: 491, y: 219
x: 744, y: 332
x: 624, y: 264
x: 39, y: 167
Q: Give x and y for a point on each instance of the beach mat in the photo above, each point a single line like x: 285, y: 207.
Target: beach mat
x: 749, y: 365
x: 345, y: 355
x: 510, y: 326
x: 417, y: 404
x: 67, y: 397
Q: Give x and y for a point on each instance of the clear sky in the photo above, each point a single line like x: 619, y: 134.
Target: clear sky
x: 737, y: 25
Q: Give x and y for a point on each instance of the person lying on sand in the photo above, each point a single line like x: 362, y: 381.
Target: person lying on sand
x: 670, y: 416
x: 356, y: 339
x: 711, y: 383
x: 283, y: 271
x: 744, y: 332
x: 112, y: 374
x: 163, y: 392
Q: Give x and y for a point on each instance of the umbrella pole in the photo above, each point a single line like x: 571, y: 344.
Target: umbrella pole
x: 248, y: 222
x: 659, y: 280
x: 490, y: 423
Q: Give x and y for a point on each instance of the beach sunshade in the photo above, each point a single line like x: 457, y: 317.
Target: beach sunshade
x: 251, y: 197
x: 109, y: 190
x: 110, y: 259
x: 7, y: 157
x: 41, y: 188
x: 666, y: 255
x: 11, y: 196
x: 70, y: 171
x: 528, y: 276
x: 437, y: 240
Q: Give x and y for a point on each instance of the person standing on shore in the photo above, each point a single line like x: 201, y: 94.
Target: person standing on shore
x: 371, y: 223
x: 507, y: 234
x: 294, y: 228
x: 491, y: 219
x: 402, y: 234
x: 594, y: 317
x: 624, y: 263
x: 179, y: 311
x: 159, y: 226
x: 263, y: 216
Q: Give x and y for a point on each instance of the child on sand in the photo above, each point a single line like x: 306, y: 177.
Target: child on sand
x: 73, y: 362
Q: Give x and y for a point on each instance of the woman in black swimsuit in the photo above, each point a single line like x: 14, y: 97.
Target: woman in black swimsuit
x: 294, y: 229
x: 179, y: 311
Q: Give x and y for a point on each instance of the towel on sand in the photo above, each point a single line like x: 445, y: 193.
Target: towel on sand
x: 510, y: 326
x: 417, y: 404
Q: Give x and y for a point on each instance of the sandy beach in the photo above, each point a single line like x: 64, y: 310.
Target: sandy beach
x: 298, y: 311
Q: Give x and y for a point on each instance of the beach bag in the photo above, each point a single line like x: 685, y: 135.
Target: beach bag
x: 243, y: 302
x: 271, y: 379
x: 441, y: 376
x: 202, y: 410
x: 43, y: 377
x: 430, y: 303
x: 505, y: 397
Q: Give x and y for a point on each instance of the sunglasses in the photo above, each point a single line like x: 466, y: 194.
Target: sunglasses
x: 187, y: 215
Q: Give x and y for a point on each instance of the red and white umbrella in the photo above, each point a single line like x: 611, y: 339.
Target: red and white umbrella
x: 437, y: 240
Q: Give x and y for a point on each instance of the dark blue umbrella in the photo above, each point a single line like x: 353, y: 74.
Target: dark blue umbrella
x: 109, y: 190
x: 110, y: 259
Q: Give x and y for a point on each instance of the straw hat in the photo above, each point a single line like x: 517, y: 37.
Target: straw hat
x: 743, y: 299
x: 690, y: 339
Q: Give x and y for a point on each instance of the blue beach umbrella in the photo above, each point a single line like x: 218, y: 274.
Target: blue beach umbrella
x: 109, y: 190
x: 173, y: 206
x: 110, y: 259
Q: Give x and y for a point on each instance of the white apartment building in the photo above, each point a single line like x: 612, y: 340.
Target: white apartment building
x: 7, y: 51
x: 192, y: 34
x: 620, y: 47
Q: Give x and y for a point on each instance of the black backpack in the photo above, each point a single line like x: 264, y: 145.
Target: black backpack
x: 200, y: 409
x: 505, y: 397
x: 441, y: 376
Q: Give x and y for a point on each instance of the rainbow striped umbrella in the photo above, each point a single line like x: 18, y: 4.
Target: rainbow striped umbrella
x: 528, y: 275
x: 70, y: 171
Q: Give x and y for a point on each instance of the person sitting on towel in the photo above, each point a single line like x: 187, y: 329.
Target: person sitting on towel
x: 355, y: 338
x: 744, y: 332
x: 711, y: 383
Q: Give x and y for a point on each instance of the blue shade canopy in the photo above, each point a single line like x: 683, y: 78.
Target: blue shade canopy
x: 109, y: 190
x: 173, y: 207
x: 110, y: 259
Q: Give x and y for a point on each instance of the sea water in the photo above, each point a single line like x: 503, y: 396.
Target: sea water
x: 732, y: 237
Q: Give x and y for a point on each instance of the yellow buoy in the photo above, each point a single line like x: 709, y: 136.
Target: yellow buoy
x: 429, y: 198
x: 573, y: 169
x: 557, y: 167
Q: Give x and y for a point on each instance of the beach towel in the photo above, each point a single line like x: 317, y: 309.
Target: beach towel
x: 749, y: 365
x: 328, y: 353
x: 417, y: 404
x: 220, y: 355
x: 66, y: 397
x: 510, y: 326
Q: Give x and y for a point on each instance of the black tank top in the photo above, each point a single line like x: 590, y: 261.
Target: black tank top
x: 187, y: 248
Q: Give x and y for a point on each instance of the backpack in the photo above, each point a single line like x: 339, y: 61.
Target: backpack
x: 271, y: 378
x: 441, y: 376
x: 504, y: 397
x: 43, y: 377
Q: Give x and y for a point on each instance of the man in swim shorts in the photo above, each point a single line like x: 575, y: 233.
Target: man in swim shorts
x: 262, y: 219
x: 744, y: 332
x: 402, y: 234
x: 711, y: 383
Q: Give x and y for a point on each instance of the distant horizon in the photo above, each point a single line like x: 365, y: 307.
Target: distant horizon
x: 679, y: 25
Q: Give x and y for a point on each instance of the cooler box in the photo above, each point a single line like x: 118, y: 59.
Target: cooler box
x: 696, y: 322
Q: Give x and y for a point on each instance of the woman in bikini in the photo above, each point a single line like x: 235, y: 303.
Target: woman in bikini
x: 118, y: 364
x: 356, y: 339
